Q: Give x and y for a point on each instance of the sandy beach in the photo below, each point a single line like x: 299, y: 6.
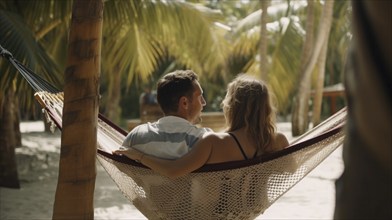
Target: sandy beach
x: 37, y: 159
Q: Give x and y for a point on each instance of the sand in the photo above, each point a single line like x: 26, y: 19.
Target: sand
x: 37, y: 159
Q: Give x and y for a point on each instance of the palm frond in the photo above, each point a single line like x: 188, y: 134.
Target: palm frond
x: 20, y: 41
x: 153, y: 29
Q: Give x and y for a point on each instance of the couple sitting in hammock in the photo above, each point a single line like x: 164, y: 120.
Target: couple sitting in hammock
x: 173, y: 146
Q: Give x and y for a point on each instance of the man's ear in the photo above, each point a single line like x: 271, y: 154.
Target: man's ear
x: 184, y: 102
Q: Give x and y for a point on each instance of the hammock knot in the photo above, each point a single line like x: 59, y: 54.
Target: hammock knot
x: 5, y: 53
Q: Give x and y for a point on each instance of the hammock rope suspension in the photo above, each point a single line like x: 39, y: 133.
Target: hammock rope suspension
x: 35, y: 81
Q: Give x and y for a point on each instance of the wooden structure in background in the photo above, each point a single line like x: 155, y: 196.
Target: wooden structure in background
x: 214, y: 120
x: 152, y: 112
x: 332, y: 93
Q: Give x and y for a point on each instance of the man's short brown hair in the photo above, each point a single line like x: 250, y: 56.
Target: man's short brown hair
x: 173, y: 86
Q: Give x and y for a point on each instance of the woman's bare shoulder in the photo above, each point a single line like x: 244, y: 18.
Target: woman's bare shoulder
x: 209, y: 137
x: 281, y: 141
x: 216, y: 135
x: 215, y: 138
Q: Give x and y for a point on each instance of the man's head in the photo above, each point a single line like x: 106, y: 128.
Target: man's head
x: 180, y: 94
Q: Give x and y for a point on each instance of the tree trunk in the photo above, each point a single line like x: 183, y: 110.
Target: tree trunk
x: 16, y: 121
x: 301, y: 108
x: 77, y: 171
x: 264, y: 39
x: 309, y: 38
x: 113, y: 110
x: 318, y: 91
x: 8, y: 141
x: 298, y: 120
x: 318, y: 96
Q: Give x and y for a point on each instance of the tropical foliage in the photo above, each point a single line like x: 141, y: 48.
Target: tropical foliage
x: 144, y: 39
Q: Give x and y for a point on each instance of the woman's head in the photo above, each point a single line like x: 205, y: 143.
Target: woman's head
x: 247, y: 105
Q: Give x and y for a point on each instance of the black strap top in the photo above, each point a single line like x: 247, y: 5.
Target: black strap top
x: 239, y: 145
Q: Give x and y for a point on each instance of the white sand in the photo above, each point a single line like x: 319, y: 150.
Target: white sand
x: 312, y: 198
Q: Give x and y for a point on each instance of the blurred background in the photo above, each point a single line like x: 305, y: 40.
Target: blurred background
x: 299, y: 47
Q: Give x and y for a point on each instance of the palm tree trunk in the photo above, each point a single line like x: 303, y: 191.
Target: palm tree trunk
x: 77, y: 171
x: 298, y: 121
x: 16, y: 121
x: 309, y: 39
x: 301, y: 108
x: 318, y: 95
x: 264, y: 39
x: 8, y: 141
x: 113, y: 110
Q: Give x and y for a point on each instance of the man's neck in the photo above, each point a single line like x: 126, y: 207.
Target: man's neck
x: 180, y: 116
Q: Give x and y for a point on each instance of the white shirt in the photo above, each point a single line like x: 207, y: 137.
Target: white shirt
x: 170, y: 137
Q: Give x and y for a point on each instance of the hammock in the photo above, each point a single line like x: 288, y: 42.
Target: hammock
x: 230, y: 190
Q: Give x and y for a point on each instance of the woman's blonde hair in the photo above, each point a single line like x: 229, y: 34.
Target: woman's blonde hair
x: 247, y: 104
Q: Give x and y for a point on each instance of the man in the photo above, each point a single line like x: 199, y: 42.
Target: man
x: 180, y: 97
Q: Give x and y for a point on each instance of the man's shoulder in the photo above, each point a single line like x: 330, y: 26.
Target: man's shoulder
x: 176, y: 123
x: 144, y: 127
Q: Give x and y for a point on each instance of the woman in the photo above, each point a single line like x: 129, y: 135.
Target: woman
x: 251, y: 132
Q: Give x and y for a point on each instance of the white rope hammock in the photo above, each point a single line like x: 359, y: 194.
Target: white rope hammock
x: 231, y: 190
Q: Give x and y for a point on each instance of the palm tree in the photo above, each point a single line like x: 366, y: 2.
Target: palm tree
x: 289, y: 34
x: 305, y: 57
x: 8, y: 170
x: 20, y: 40
x: 264, y: 39
x: 319, y: 87
x: 300, y: 110
x: 142, y: 31
x: 285, y: 37
x: 76, y: 181
x: 145, y: 32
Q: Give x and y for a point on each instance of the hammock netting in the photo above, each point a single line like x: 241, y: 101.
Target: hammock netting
x: 230, y: 190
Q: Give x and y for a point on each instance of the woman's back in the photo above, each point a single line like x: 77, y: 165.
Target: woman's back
x: 225, y: 148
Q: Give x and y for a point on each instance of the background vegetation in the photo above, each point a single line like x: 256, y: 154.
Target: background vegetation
x: 142, y: 40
